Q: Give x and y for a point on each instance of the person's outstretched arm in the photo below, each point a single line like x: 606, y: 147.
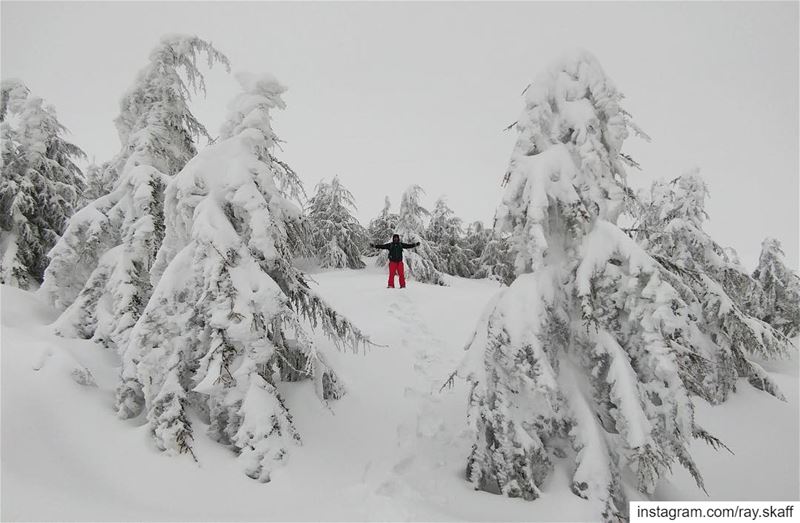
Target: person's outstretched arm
x: 410, y: 245
x: 379, y: 245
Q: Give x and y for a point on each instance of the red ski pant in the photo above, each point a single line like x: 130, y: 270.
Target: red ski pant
x: 396, y: 267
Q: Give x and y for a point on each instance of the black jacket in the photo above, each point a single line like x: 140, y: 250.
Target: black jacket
x: 396, y: 249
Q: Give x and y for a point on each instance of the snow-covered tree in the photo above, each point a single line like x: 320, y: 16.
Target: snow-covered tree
x: 420, y: 262
x: 715, y: 287
x: 286, y: 179
x: 496, y: 260
x: 672, y: 217
x: 476, y: 237
x: 586, y: 344
x: 381, y: 228
x: 446, y: 233
x: 100, y: 180
x: 155, y: 124
x: 226, y: 321
x: 40, y: 187
x: 491, y: 251
x: 733, y: 257
x: 337, y: 237
x: 780, y: 300
x: 240, y: 114
x: 99, y: 274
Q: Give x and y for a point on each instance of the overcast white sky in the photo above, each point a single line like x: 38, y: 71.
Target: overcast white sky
x: 389, y: 94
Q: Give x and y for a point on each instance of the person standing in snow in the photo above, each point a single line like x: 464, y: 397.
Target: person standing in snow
x: 395, y: 249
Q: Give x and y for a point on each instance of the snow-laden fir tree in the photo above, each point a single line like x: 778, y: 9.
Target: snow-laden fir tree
x: 40, y: 187
x: 227, y: 319
x: 715, y: 287
x: 381, y: 228
x: 671, y: 217
x: 733, y: 257
x: 446, y: 233
x: 491, y: 253
x: 584, y: 346
x: 476, y: 237
x: 338, y: 239
x: 286, y: 179
x: 420, y: 262
x: 496, y: 261
x: 780, y: 299
x: 100, y: 180
x: 99, y: 274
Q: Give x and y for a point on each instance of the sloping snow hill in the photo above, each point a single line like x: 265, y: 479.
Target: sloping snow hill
x: 393, y: 448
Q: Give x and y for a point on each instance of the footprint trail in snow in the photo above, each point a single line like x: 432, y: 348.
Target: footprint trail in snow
x: 423, y: 438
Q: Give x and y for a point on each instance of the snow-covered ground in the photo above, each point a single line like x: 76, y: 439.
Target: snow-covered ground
x: 393, y: 448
